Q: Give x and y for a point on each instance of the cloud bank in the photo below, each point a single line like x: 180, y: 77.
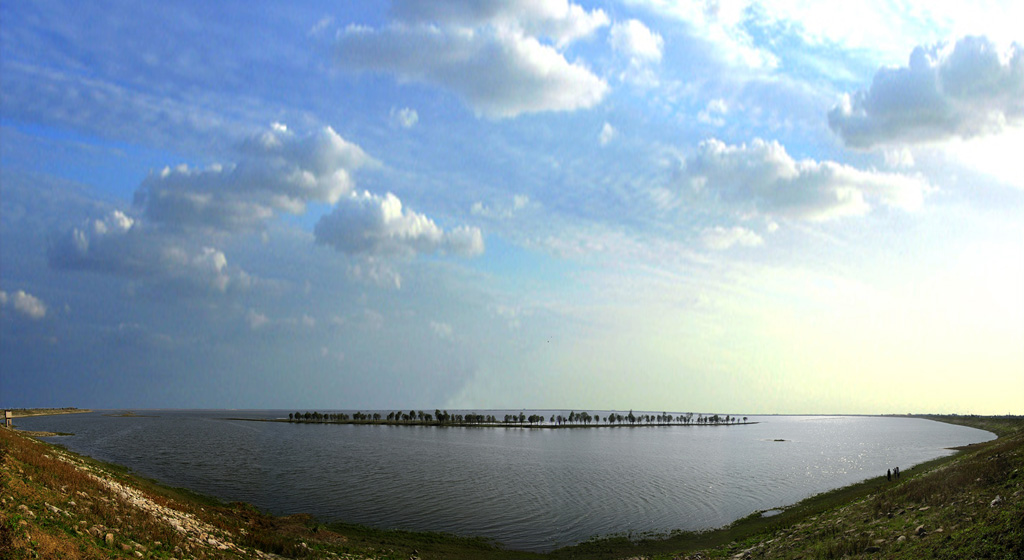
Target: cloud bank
x: 182, y: 210
x: 963, y: 90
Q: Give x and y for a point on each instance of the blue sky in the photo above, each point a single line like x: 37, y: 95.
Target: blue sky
x: 793, y: 207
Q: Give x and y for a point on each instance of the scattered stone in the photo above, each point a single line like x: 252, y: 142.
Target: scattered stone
x: 901, y: 538
x: 925, y: 508
x: 126, y: 547
x: 920, y: 531
x: 109, y: 539
x: 996, y: 502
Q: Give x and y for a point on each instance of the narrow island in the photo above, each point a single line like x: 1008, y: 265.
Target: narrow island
x: 537, y: 421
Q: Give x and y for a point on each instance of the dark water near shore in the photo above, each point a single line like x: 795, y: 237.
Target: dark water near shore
x: 527, y: 489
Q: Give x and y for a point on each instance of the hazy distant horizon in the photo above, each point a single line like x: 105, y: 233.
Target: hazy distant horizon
x: 509, y: 409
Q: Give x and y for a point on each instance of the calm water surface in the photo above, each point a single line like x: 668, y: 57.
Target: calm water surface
x: 527, y: 489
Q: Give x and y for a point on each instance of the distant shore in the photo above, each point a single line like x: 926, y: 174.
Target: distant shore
x: 27, y: 412
x: 30, y: 412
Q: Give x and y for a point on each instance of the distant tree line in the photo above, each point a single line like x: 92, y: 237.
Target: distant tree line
x: 574, y: 419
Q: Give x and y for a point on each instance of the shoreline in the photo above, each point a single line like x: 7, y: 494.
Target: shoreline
x: 755, y: 531
x: 30, y: 412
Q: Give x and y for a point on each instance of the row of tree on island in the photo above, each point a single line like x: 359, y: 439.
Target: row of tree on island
x: 444, y: 418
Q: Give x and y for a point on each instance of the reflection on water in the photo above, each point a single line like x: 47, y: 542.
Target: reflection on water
x: 528, y: 489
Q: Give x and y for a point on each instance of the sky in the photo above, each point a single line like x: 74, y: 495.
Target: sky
x: 728, y: 206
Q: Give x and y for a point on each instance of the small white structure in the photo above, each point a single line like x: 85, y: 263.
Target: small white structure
x: 8, y: 415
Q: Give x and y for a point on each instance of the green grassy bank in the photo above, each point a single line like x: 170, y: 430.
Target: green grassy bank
x: 56, y: 504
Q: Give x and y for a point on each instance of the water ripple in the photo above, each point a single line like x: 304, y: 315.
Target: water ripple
x: 530, y: 490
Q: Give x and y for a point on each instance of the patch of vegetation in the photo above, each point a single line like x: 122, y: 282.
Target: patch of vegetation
x: 535, y: 421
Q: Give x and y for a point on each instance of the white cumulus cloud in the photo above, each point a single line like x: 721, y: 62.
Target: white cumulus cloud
x: 376, y: 271
x: 365, y: 223
x: 721, y: 238
x: 118, y: 244
x: 404, y: 117
x: 558, y: 20
x: 256, y: 320
x: 961, y: 90
x: 636, y: 40
x: 280, y: 171
x: 502, y: 58
x: 607, y: 134
x: 762, y: 178
x: 722, y: 25
x: 24, y: 303
x: 714, y: 113
x: 642, y: 47
x: 441, y: 329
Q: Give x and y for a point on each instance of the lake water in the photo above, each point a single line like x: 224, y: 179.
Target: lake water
x: 527, y: 489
